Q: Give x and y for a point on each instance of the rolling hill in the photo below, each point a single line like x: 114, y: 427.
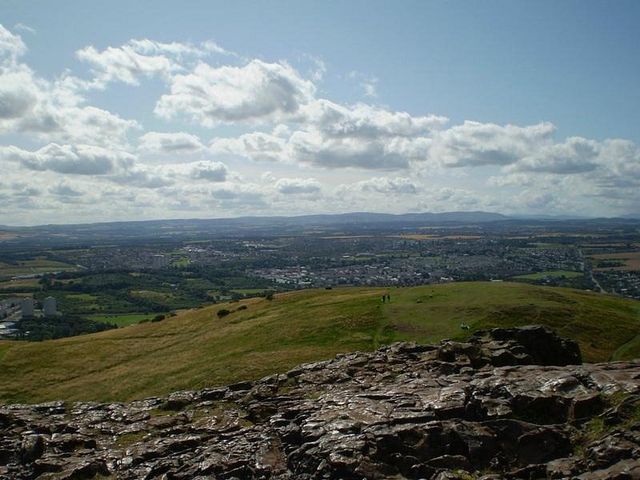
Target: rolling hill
x: 197, y: 348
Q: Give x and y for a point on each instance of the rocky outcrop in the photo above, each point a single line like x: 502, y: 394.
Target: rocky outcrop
x: 509, y: 403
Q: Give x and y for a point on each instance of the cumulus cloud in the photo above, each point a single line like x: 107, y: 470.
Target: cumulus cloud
x: 337, y: 136
x: 295, y: 186
x: 18, y: 95
x: 511, y: 180
x: 244, y: 197
x: 397, y: 185
x: 621, y: 164
x: 367, y: 121
x: 11, y: 46
x: 139, y: 58
x: 64, y: 190
x: 257, y: 146
x: 170, y: 143
x: 141, y: 177
x: 210, y: 171
x: 256, y: 92
x: 51, y: 110
x: 122, y: 64
x: 574, y: 155
x: 270, y: 112
x: 478, y: 144
x: 71, y: 159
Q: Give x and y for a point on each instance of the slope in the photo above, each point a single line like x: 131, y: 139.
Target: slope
x: 197, y: 349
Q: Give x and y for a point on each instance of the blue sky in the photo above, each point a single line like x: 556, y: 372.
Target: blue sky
x: 294, y: 107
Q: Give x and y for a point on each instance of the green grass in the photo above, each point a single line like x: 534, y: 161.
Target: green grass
x: 181, y: 262
x: 249, y: 291
x: 83, y: 297
x: 554, y: 273
x: 196, y: 349
x: 122, y: 320
x: 152, y: 295
x: 35, y: 265
x: 4, y: 348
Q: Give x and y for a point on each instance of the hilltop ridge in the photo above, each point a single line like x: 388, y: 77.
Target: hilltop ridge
x: 198, y: 348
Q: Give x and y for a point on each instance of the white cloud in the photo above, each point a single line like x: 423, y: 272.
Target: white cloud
x: 51, y: 110
x: 366, y: 121
x: 511, y: 180
x: 312, y: 148
x: 269, y: 111
x: 139, y: 58
x: 397, y: 185
x: 170, y: 143
x: 64, y: 190
x: 574, y: 155
x: 11, y: 46
x: 123, y: 64
x: 335, y: 136
x: 18, y: 95
x: 478, y: 144
x: 210, y: 171
x: 257, y: 146
x: 255, y: 92
x: 71, y: 159
x: 295, y: 186
x: 141, y: 177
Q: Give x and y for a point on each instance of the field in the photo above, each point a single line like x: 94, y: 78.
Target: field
x: 197, y: 349
x: 34, y: 266
x: 19, y: 283
x: 550, y: 274
x: 626, y: 260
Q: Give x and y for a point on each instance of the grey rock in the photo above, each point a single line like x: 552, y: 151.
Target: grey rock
x: 510, y: 403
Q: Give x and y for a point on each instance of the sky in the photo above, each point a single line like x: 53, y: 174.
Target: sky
x: 119, y: 110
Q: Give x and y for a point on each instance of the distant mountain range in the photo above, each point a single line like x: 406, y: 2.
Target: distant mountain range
x: 192, y: 229
x: 317, y: 219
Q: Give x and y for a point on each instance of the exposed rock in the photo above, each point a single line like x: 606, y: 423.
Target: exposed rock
x: 510, y: 403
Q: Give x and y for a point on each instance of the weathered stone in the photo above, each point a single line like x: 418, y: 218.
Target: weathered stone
x: 508, y: 402
x: 32, y: 448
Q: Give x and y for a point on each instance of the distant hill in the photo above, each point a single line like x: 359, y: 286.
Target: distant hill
x: 318, y: 219
x: 247, y: 226
x: 198, y: 349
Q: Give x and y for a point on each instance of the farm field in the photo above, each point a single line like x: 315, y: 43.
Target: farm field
x: 628, y: 261
x: 33, y: 266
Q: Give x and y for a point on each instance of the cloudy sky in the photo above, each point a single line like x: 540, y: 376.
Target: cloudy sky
x: 127, y: 110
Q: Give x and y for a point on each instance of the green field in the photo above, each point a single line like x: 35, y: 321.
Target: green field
x: 34, y: 266
x: 123, y: 320
x: 83, y: 297
x: 550, y: 274
x: 249, y: 291
x: 196, y: 349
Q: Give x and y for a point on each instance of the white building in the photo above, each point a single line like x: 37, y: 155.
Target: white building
x: 49, y: 307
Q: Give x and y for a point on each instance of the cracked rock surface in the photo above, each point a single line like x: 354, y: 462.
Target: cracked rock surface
x: 509, y: 403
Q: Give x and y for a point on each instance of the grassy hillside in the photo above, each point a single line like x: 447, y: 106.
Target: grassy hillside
x: 197, y: 349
